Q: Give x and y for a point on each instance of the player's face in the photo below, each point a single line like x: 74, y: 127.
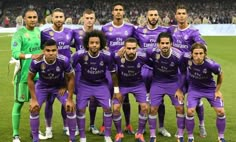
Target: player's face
x: 50, y: 53
x: 58, y: 19
x: 198, y: 56
x: 131, y: 49
x: 181, y: 16
x: 94, y: 45
x: 31, y: 19
x: 152, y: 16
x: 165, y: 45
x: 118, y: 12
x: 89, y: 19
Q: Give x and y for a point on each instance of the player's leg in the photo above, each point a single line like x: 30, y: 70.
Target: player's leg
x: 200, y: 113
x: 82, y: 98
x: 48, y: 112
x: 180, y: 118
x: 117, y: 119
x: 103, y: 96
x: 70, y: 116
x: 93, y: 104
x: 218, y: 106
x: 34, y: 116
x: 192, y: 100
x: 155, y: 101
x: 21, y: 95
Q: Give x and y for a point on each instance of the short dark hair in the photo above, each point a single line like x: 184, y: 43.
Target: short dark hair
x: 95, y: 33
x: 181, y: 6
x: 49, y: 42
x: 57, y: 10
x: 88, y: 11
x: 27, y: 10
x: 199, y: 46
x: 131, y: 39
x: 151, y: 8
x: 164, y: 35
x: 118, y: 3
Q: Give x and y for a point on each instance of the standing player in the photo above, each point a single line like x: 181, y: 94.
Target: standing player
x: 25, y: 45
x: 63, y: 37
x: 116, y: 33
x: 88, y: 26
x: 94, y: 62
x: 130, y: 81
x: 166, y: 63
x: 147, y: 37
x: 202, y: 85
x: 184, y: 35
x: 55, y: 73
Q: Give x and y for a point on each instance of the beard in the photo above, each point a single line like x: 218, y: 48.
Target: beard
x: 152, y: 23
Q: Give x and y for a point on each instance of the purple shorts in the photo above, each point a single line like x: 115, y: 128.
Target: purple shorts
x: 194, y: 97
x: 158, y: 91
x: 139, y: 92
x: 101, y: 93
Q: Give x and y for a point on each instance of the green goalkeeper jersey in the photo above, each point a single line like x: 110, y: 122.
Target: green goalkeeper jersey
x: 26, y: 42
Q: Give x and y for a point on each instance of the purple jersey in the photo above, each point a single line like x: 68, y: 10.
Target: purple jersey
x: 129, y: 72
x: 200, y: 76
x: 93, y: 69
x: 184, y: 38
x: 51, y: 74
x: 78, y: 35
x: 63, y: 39
x: 165, y: 69
x: 116, y: 35
x: 146, y: 37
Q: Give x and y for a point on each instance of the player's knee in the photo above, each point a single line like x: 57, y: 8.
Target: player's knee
x: 220, y: 112
x: 153, y: 110
x: 179, y: 109
x: 190, y: 112
x: 144, y: 108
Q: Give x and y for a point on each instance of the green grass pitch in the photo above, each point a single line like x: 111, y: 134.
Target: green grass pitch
x: 221, y: 49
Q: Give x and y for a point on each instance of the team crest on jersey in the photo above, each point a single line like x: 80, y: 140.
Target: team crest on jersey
x: 126, y: 33
x: 22, y: 97
x: 138, y: 65
x: 101, y: 63
x: 172, y: 64
x: 86, y: 58
x: 185, y: 37
x: 158, y: 56
x: 15, y: 44
x: 27, y: 35
x: 67, y: 37
x: 51, y: 33
x: 145, y: 31
x: 110, y: 29
x: 43, y: 67
x: 190, y: 63
x: 122, y: 60
x: 58, y: 69
x: 204, y: 71
x: 81, y: 33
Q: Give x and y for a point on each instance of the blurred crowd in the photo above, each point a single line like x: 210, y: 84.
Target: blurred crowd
x: 200, y: 11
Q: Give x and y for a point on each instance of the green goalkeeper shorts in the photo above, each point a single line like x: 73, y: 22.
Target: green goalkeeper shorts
x: 21, y: 92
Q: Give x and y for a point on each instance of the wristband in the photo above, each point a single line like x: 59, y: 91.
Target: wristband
x: 28, y: 56
x: 116, y: 90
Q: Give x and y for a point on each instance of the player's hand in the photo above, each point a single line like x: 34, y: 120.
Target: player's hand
x: 180, y: 96
x: 37, y: 56
x: 70, y: 106
x: 121, y: 52
x: 34, y: 106
x: 118, y: 96
x: 219, y: 95
x: 62, y: 91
